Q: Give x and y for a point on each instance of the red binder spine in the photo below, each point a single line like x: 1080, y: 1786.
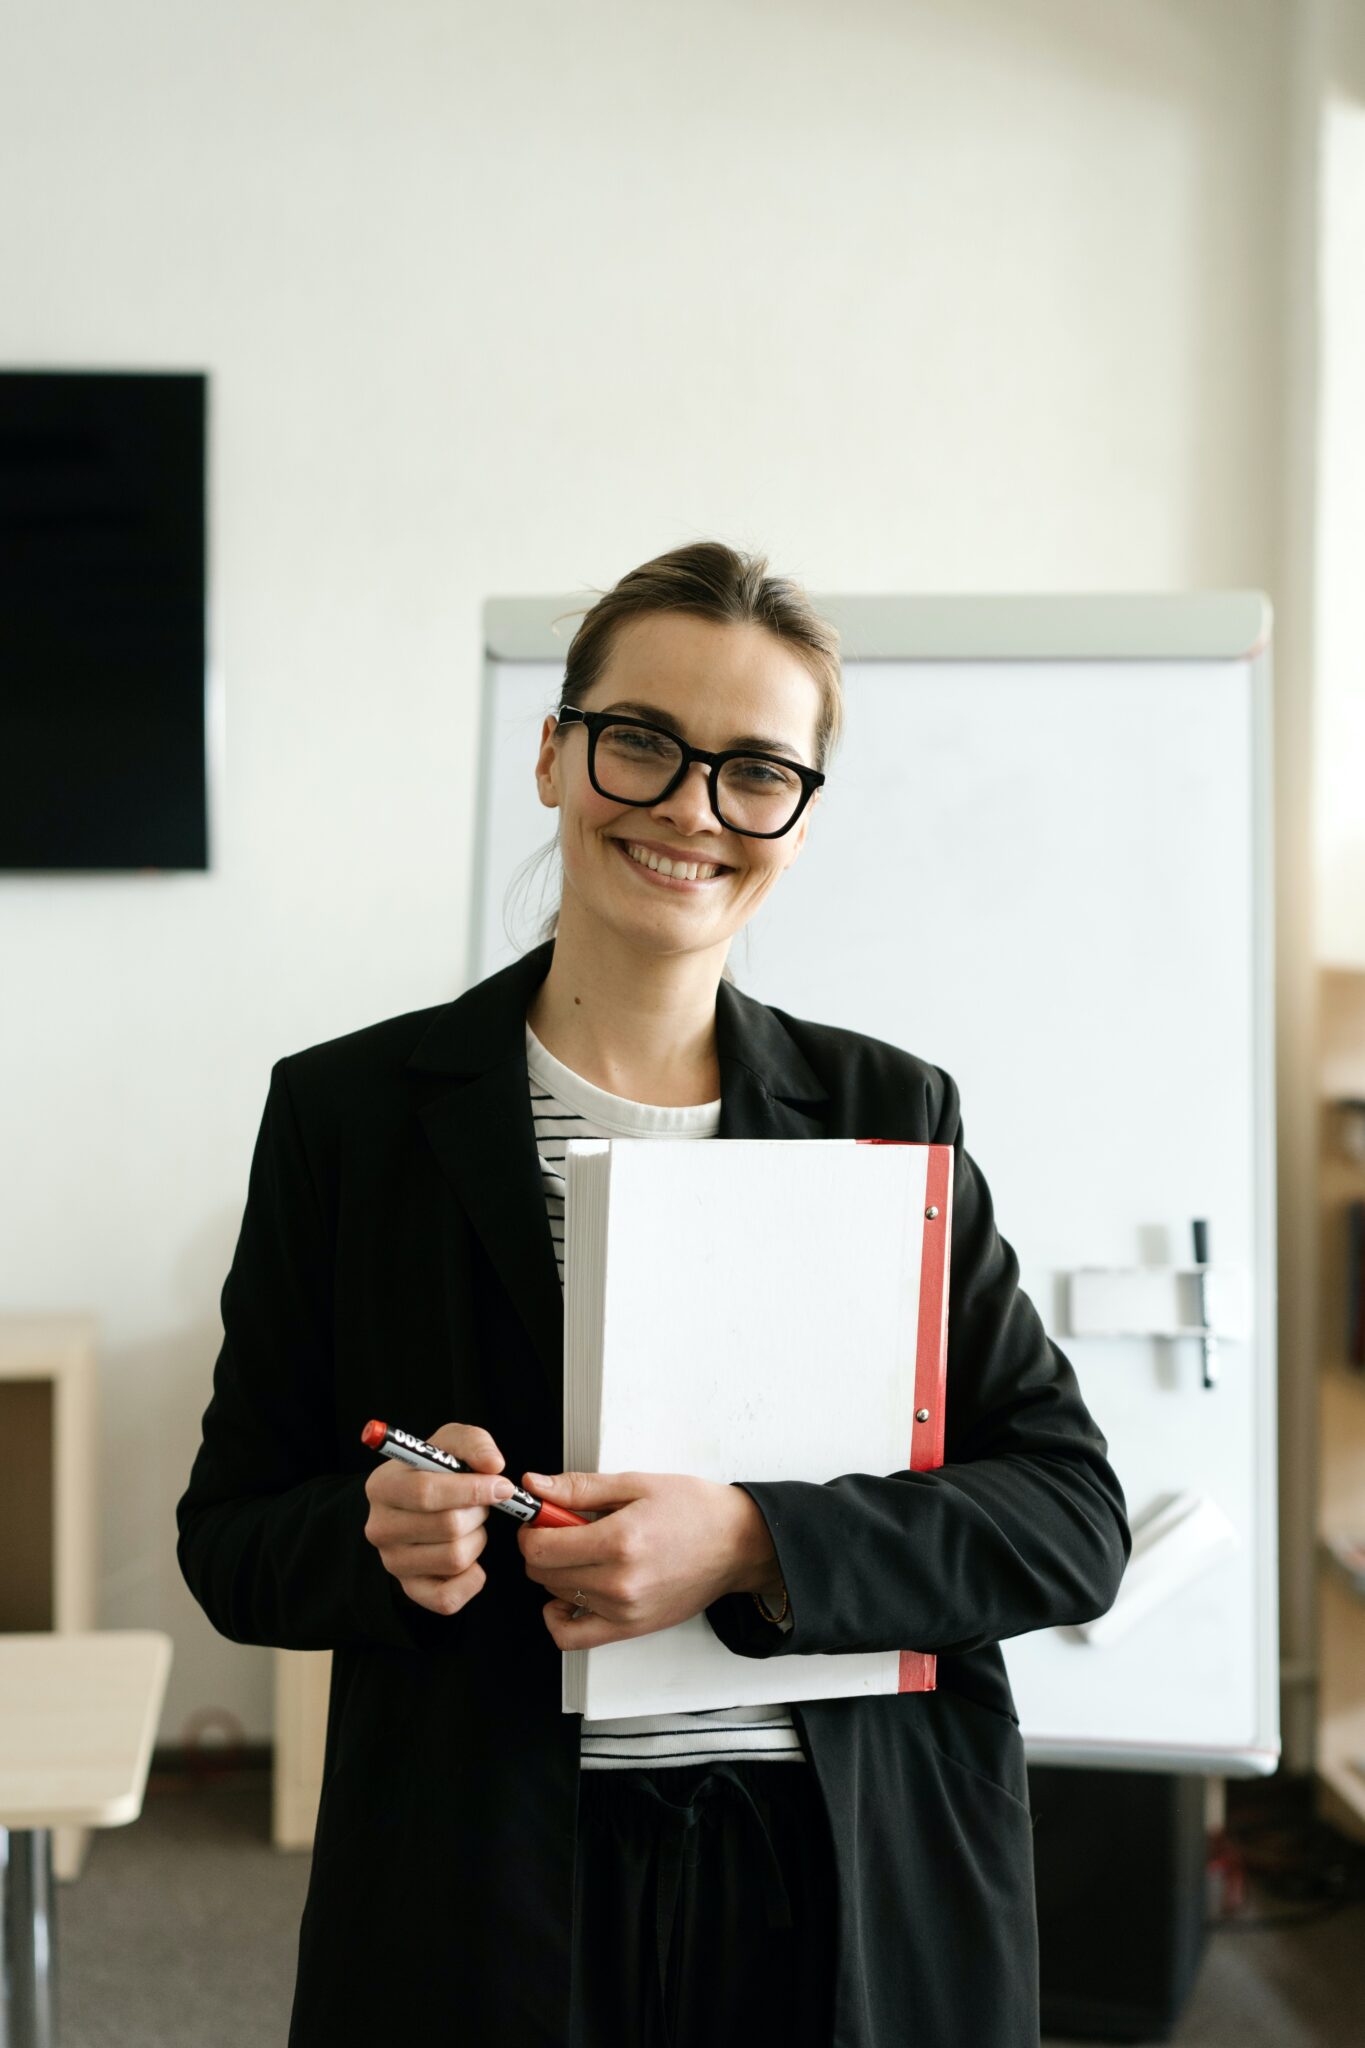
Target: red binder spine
x: 919, y: 1668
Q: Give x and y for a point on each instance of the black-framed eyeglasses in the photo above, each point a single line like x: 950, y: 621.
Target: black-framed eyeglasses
x: 630, y: 761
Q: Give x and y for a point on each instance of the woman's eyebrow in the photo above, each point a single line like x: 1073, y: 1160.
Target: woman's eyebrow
x: 630, y: 709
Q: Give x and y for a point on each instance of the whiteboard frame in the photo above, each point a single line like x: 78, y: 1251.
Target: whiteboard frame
x: 1229, y: 625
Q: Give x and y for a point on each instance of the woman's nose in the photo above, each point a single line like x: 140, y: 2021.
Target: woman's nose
x: 689, y: 806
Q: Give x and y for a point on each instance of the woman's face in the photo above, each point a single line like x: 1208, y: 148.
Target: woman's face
x: 719, y: 686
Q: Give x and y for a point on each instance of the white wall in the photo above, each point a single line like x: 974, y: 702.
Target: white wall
x: 500, y: 301
x: 1340, y: 524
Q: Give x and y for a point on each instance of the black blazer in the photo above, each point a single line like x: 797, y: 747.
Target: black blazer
x: 395, y: 1259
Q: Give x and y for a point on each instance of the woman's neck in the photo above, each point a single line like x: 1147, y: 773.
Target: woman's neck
x: 650, y: 1037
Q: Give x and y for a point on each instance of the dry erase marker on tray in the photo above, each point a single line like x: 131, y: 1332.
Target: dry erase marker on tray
x: 415, y: 1450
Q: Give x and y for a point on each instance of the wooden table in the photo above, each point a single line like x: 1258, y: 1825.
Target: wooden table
x: 78, y: 1717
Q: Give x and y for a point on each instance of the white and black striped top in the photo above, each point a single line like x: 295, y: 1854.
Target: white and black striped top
x: 564, y: 1106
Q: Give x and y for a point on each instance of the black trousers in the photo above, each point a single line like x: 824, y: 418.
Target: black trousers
x: 704, y: 1908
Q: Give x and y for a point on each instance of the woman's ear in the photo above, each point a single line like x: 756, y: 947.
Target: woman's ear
x: 545, y: 764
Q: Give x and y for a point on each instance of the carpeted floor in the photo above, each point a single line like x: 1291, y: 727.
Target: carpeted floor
x: 181, y: 1933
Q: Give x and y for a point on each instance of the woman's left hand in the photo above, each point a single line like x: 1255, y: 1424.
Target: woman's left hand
x: 664, y: 1547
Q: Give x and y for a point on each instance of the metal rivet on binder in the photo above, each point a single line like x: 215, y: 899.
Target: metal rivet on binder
x: 931, y: 1212
x: 921, y: 1415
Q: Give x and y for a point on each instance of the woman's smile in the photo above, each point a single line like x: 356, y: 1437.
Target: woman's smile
x: 637, y: 857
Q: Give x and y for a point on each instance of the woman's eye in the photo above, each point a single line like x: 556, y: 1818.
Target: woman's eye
x: 635, y: 742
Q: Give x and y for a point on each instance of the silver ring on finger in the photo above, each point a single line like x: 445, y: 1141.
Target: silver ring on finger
x: 580, y: 1605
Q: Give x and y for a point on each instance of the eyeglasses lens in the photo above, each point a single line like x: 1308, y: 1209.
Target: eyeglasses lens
x: 752, y: 794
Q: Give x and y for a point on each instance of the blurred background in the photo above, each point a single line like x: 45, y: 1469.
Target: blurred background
x: 1048, y: 296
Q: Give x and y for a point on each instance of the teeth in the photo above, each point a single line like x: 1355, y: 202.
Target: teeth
x: 690, y: 871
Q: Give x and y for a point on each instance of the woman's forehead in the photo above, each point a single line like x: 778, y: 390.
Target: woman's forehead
x: 733, y: 674
x: 688, y: 642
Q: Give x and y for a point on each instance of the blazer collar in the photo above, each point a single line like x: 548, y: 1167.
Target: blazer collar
x: 481, y: 1131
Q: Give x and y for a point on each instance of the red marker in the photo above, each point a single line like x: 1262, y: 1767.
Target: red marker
x: 415, y: 1450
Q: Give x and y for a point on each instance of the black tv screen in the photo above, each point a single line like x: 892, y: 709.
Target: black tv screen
x: 102, y: 607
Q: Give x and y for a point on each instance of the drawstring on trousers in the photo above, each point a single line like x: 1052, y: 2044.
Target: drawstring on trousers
x: 677, y: 1836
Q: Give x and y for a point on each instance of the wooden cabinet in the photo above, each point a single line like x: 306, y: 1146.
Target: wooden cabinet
x: 49, y: 1501
x: 1341, y: 1390
x: 302, y: 1682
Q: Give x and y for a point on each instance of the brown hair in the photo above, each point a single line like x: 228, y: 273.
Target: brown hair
x: 712, y: 581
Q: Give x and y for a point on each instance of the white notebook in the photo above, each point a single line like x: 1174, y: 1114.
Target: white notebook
x: 758, y: 1309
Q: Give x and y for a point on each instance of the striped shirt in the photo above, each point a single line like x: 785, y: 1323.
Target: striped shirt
x: 564, y: 1106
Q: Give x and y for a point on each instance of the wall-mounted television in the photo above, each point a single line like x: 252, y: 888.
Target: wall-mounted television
x: 102, y: 621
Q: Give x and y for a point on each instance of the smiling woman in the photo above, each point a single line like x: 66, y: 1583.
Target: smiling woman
x: 829, y: 1870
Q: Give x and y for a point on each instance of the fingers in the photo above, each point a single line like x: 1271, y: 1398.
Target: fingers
x: 429, y: 1527
x: 446, y: 1596
x: 585, y: 1491
x: 472, y: 1445
x: 583, y: 1631
x: 402, y: 1489
x: 400, y: 1485
x: 450, y: 1560
x: 611, y: 1596
x: 603, y: 1561
x: 426, y: 1528
x: 610, y: 1539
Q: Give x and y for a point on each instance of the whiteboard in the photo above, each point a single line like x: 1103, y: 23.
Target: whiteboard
x: 1042, y: 860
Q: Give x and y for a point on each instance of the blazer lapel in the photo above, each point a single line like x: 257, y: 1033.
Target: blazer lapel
x: 478, y: 1123
x: 477, y: 1118
x: 764, y: 1076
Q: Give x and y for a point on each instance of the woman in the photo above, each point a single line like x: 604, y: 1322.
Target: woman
x: 850, y: 1871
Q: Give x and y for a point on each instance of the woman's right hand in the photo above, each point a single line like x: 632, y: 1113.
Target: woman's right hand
x: 428, y: 1527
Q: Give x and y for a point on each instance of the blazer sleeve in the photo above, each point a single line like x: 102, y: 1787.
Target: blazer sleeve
x: 1024, y: 1526
x: 271, y: 1533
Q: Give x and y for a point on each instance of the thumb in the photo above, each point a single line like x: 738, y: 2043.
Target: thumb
x: 583, y: 1489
